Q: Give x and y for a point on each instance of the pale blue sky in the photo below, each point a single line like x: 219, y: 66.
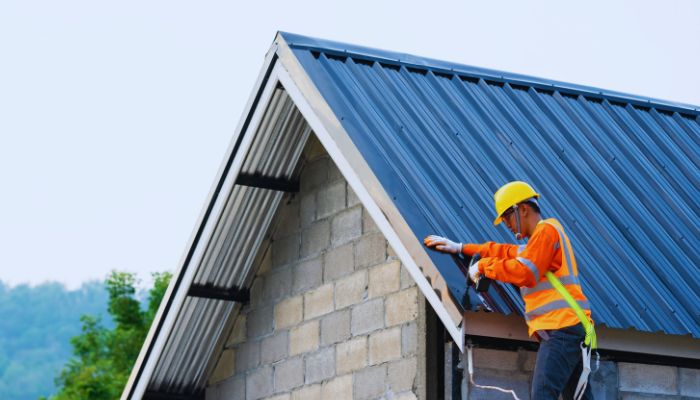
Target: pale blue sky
x: 115, y: 115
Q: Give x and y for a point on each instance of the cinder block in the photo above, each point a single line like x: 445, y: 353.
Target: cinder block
x: 370, y: 383
x: 307, y: 209
x: 330, y: 200
x: 307, y: 274
x: 334, y: 173
x: 370, y: 250
x: 258, y: 383
x: 314, y: 174
x: 339, y: 388
x: 526, y: 360
x: 406, y: 278
x: 287, y: 217
x: 289, y: 374
x: 225, y: 367
x: 690, y: 382
x: 655, y: 379
x: 248, y: 356
x: 289, y: 312
x: 265, y: 264
x: 260, y: 321
x: 367, y: 317
x: 313, y: 149
x: 238, y: 332
x: 284, y: 396
x: 346, y: 226
x: 274, y: 348
x: 315, y: 238
x: 391, y: 253
x: 351, y: 355
x: 518, y: 382
x: 409, y: 339
x: 277, y: 285
x: 368, y: 225
x: 351, y: 290
x: 604, y: 381
x: 384, y: 279
x: 303, y: 338
x: 320, y: 365
x: 353, y: 200
x: 285, y: 250
x: 406, y: 396
x: 318, y: 302
x: 338, y: 262
x: 496, y: 359
x: 335, y: 327
x: 402, y: 374
x: 385, y: 346
x: 233, y: 388
x: 312, y: 392
x: 402, y: 307
x: 257, y: 289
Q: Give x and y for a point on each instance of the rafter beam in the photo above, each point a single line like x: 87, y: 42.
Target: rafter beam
x: 212, y: 292
x: 266, y: 182
x: 153, y: 395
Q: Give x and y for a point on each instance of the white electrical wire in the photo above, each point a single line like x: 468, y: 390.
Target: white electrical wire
x: 470, y: 366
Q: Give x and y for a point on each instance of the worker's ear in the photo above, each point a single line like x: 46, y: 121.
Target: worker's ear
x: 525, y: 210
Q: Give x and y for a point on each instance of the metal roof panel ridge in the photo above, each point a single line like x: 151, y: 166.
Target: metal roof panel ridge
x: 297, y: 41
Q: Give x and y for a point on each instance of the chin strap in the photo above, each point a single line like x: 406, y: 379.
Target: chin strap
x: 518, y: 228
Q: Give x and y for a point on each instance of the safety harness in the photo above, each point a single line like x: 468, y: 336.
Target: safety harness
x: 590, y: 342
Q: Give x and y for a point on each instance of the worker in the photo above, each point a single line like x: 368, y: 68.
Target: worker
x: 550, y: 319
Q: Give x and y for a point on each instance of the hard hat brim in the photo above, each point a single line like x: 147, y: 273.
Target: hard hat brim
x: 498, y: 220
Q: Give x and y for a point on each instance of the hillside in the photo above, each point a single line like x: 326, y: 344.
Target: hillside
x: 36, y: 324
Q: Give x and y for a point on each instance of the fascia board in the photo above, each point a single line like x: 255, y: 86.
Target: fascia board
x: 513, y: 327
x: 221, y: 188
x: 367, y: 187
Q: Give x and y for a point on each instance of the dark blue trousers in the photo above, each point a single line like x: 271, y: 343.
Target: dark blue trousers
x: 559, y: 365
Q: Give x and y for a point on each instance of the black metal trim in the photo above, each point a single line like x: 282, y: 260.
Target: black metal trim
x: 153, y: 395
x: 266, y: 182
x: 212, y: 292
x: 607, y: 355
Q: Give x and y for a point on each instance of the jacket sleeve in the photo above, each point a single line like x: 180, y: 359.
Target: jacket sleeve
x: 527, y: 267
x: 490, y: 249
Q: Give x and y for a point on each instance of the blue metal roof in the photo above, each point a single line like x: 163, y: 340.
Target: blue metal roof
x: 620, y: 172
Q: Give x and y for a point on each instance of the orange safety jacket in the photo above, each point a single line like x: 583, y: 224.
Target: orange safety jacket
x: 525, y: 266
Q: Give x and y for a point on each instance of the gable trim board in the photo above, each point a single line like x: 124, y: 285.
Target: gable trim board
x: 282, y: 68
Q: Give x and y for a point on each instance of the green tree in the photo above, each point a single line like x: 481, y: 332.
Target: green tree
x: 102, y: 357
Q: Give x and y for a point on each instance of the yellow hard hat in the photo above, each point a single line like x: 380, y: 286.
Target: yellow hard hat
x: 510, y: 194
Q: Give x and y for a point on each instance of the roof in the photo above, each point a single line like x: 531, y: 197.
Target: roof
x: 424, y: 144
x: 620, y: 172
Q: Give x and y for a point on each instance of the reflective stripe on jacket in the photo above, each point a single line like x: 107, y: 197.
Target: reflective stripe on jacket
x: 525, y: 266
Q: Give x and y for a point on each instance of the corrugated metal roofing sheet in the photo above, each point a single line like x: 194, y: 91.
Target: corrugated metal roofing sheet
x: 229, y: 256
x: 620, y: 172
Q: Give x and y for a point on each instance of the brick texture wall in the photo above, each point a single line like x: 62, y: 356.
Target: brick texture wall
x: 333, y: 314
x: 612, y: 381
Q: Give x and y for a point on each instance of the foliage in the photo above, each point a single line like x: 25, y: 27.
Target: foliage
x: 36, y: 324
x: 103, y: 357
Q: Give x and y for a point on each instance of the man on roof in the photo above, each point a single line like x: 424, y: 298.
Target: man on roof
x: 545, y: 270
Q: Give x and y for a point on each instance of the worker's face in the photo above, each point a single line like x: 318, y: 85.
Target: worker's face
x: 509, y: 219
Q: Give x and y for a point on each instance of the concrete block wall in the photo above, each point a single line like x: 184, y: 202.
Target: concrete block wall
x: 333, y: 314
x: 612, y: 381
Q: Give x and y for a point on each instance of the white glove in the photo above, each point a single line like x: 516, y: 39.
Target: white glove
x: 474, y: 273
x: 443, y: 244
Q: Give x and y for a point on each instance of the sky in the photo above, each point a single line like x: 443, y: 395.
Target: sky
x: 115, y: 115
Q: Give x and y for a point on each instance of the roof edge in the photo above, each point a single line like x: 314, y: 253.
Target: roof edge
x: 390, y: 57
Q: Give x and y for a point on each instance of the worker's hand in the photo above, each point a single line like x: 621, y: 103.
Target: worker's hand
x: 443, y: 244
x: 474, y: 273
